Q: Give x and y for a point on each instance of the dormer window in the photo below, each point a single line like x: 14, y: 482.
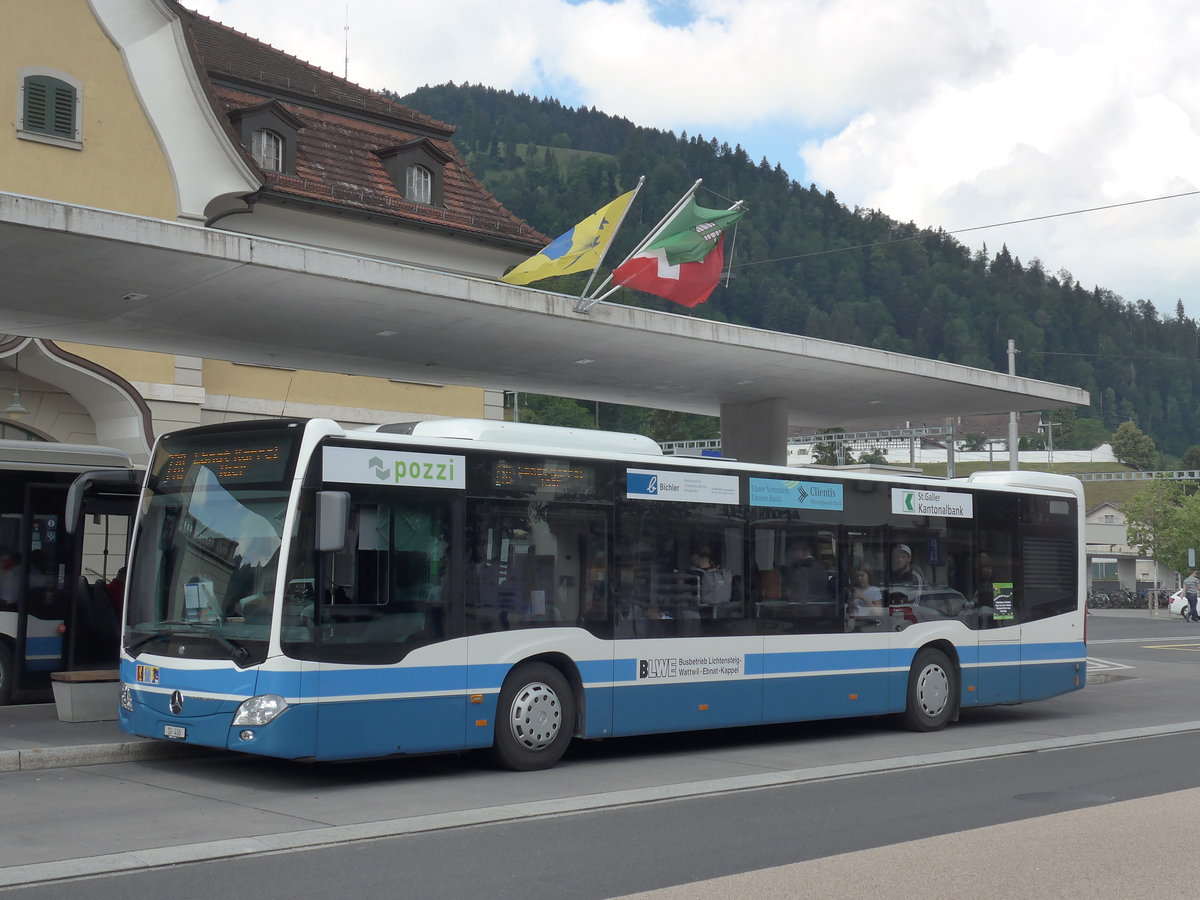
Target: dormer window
x: 269, y: 132
x: 51, y: 104
x: 418, y: 170
x: 267, y: 150
x: 418, y: 184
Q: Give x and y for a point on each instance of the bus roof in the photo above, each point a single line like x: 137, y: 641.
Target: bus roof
x: 49, y: 456
x: 524, y: 433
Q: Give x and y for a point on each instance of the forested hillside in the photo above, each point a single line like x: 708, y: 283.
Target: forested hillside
x: 803, y: 262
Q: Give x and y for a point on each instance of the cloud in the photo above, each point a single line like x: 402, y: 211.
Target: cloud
x: 951, y: 115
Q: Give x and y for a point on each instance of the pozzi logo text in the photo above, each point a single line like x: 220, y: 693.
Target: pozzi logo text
x: 360, y: 465
x: 413, y: 470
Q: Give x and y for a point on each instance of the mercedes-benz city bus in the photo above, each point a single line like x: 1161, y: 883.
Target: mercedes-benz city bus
x: 303, y: 591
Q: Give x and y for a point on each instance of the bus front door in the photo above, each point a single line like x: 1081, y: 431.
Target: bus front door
x: 43, y: 598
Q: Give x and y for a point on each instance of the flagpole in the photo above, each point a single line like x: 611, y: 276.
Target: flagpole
x: 620, y: 221
x: 584, y: 305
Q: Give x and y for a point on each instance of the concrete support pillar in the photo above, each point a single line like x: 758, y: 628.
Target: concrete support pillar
x: 755, y: 432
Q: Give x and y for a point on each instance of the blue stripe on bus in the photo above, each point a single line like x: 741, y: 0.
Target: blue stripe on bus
x: 786, y: 663
x: 1066, y: 649
x: 851, y: 683
x: 689, y: 706
x: 43, y: 654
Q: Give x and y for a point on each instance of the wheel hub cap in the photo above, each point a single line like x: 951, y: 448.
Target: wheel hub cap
x: 933, y: 690
x: 536, y: 716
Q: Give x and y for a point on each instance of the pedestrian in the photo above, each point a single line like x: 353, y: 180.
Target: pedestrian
x: 1191, y: 590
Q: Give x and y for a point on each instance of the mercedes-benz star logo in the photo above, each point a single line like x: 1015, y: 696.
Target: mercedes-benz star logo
x: 176, y: 703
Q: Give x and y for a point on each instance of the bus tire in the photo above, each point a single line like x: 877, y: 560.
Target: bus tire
x: 6, y: 673
x: 535, y: 718
x: 932, y: 691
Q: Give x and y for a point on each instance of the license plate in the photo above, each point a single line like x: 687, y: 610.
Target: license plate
x: 175, y: 731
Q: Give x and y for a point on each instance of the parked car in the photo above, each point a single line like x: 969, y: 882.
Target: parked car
x: 1179, y: 604
x: 909, y: 604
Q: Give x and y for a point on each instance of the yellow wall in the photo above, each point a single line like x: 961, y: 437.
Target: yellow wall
x: 132, y: 365
x: 325, y: 389
x: 121, y: 166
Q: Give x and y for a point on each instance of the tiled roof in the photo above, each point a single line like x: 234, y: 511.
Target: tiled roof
x: 343, y: 127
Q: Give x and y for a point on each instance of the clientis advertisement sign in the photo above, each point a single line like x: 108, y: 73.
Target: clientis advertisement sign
x: 795, y: 494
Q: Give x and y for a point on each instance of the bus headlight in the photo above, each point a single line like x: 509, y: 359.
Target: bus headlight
x: 126, y: 698
x: 260, y: 710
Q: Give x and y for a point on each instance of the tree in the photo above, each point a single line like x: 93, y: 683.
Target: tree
x: 1087, y: 434
x: 825, y: 453
x: 1134, y: 447
x: 973, y: 442
x: 1163, y: 521
x: 1191, y: 457
x: 874, y: 456
x: 544, y: 410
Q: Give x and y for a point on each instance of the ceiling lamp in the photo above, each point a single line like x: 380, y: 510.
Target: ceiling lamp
x: 16, y: 408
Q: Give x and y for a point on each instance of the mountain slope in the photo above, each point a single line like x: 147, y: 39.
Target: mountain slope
x: 803, y: 262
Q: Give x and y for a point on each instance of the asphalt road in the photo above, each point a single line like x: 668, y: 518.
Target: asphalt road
x: 632, y: 815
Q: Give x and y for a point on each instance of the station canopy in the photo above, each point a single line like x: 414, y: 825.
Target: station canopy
x: 96, y: 277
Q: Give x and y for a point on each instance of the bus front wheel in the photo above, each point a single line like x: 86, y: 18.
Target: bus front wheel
x: 932, y: 691
x: 535, y: 718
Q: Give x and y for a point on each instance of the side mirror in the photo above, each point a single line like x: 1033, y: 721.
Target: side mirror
x: 333, y: 516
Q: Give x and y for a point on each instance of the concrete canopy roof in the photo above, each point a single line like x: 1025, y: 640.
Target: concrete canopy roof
x: 78, y: 274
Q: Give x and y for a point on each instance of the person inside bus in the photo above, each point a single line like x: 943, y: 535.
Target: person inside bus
x: 10, y: 578
x: 116, y: 591
x: 864, y: 595
x: 804, y: 577
x: 865, y: 603
x: 715, y: 582
x: 903, y: 571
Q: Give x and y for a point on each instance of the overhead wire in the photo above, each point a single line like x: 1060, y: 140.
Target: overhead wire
x: 924, y: 233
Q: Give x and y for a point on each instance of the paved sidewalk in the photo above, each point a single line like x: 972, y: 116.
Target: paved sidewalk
x: 33, y: 737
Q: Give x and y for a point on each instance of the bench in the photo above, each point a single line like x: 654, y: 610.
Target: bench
x: 88, y: 695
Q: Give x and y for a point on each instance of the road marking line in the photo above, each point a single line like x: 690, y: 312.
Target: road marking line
x: 1103, y: 665
x: 156, y: 857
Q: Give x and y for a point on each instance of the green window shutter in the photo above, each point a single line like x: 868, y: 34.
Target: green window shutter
x: 49, y: 106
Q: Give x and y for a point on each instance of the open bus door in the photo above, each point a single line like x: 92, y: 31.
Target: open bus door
x: 65, y: 618
x: 39, y: 573
x: 99, y: 512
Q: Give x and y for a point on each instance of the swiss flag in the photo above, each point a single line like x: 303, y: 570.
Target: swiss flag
x: 688, y: 283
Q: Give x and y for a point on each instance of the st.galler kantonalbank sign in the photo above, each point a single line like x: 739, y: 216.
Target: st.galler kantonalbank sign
x: 921, y: 502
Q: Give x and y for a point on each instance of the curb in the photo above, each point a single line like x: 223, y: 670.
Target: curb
x: 88, y: 755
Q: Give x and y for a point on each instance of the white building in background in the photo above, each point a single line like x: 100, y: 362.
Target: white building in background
x: 902, y: 455
x: 1112, y: 561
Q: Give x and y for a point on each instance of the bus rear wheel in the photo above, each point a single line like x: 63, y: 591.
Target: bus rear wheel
x: 535, y: 718
x: 932, y: 691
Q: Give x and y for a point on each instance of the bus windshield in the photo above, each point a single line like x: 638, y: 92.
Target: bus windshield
x: 212, y: 521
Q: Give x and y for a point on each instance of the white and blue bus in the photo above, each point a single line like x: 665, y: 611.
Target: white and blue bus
x: 65, y: 511
x: 304, y: 591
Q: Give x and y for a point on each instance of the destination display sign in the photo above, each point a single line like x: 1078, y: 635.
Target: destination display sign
x: 544, y: 477
x: 256, y: 462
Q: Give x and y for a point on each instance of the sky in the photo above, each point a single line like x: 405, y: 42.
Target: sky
x: 952, y: 114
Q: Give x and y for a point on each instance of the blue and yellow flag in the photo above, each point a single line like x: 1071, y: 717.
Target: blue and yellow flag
x: 578, y: 250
